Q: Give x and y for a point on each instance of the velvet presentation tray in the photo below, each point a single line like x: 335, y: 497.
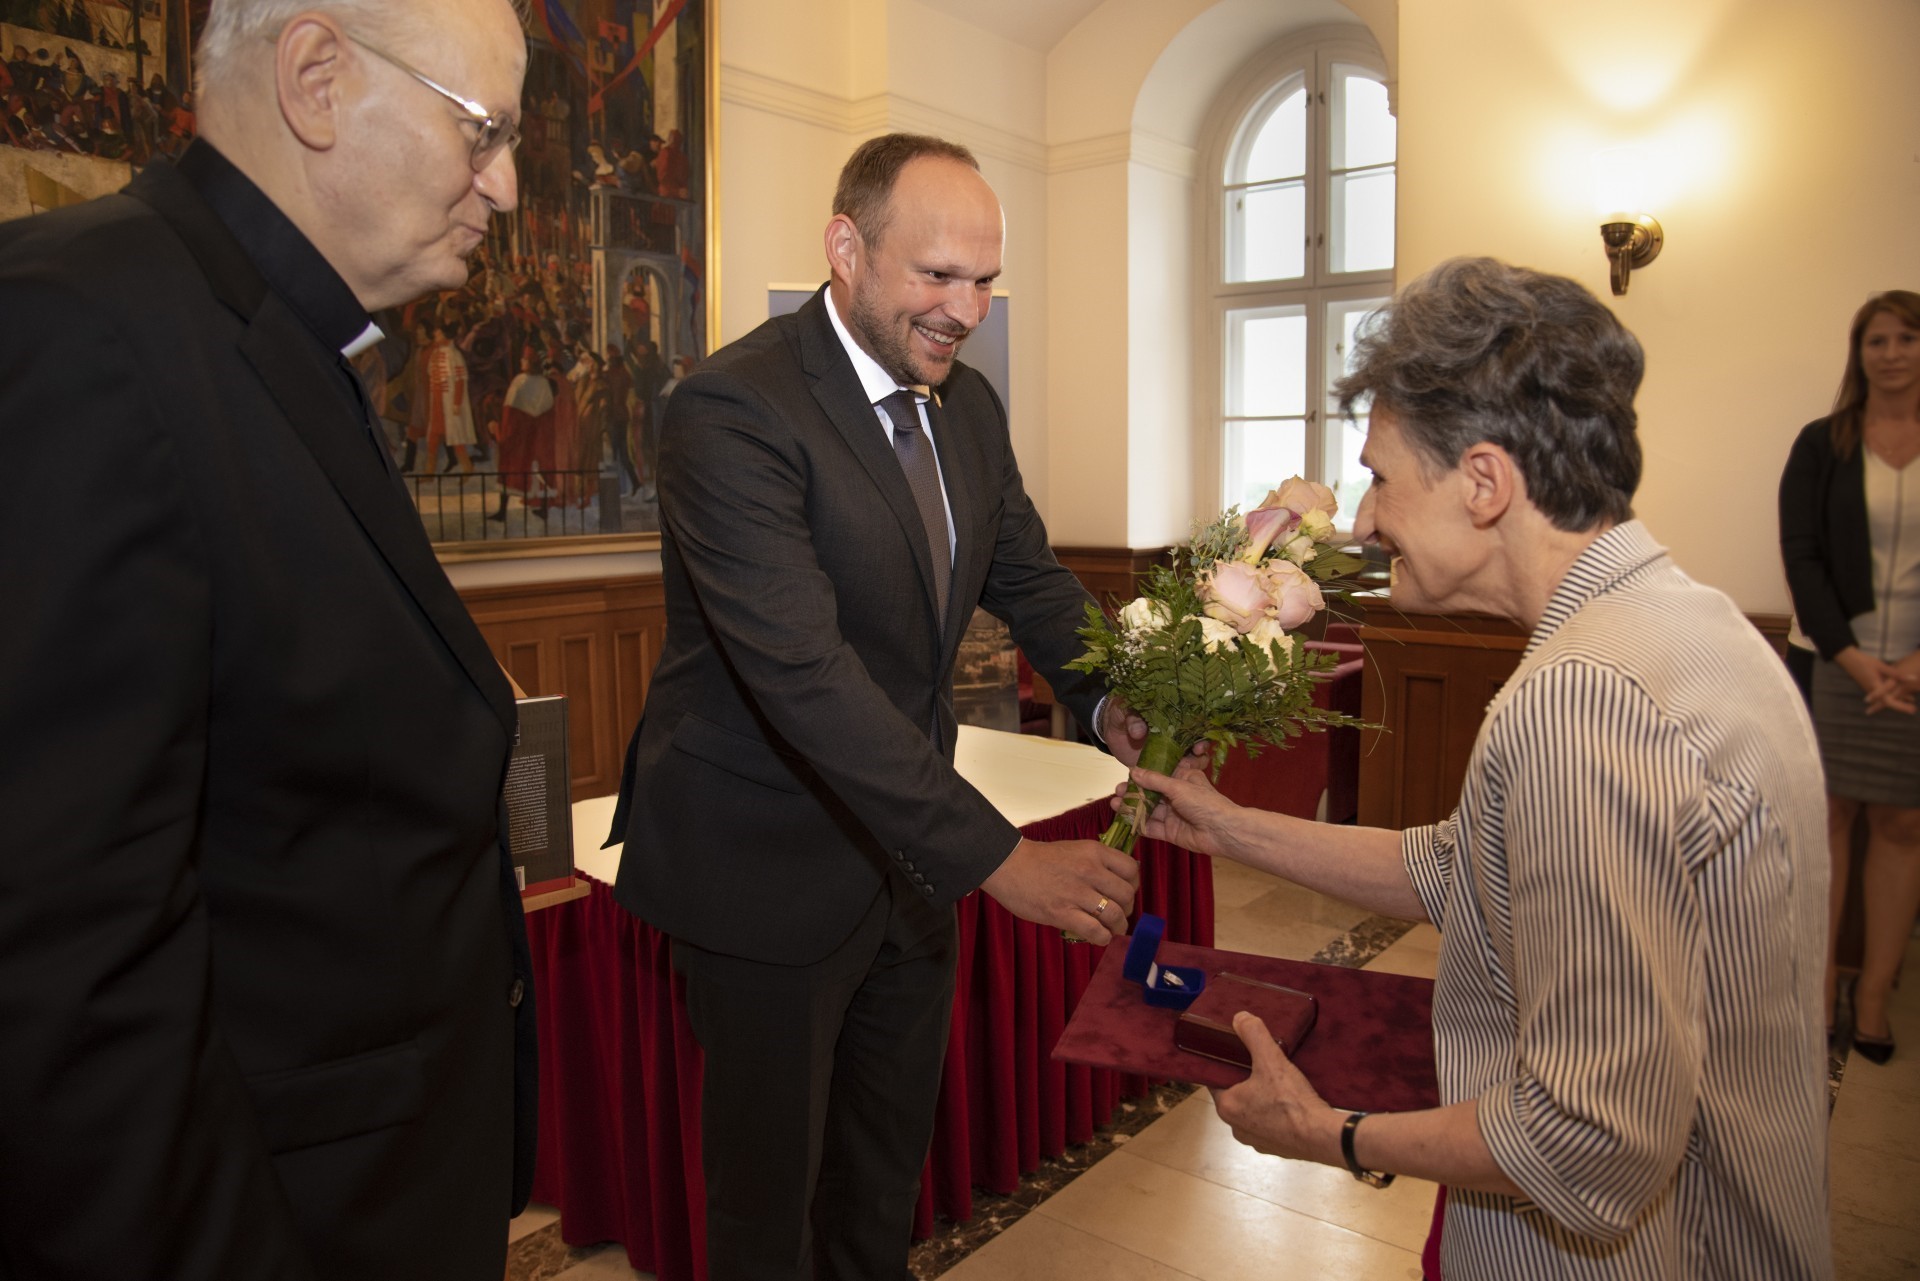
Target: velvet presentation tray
x: 1371, y: 1049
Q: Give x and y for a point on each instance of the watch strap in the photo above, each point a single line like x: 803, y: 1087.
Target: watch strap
x: 1372, y: 1178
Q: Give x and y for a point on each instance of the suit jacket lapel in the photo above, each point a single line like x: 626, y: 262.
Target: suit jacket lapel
x: 837, y: 390
x: 318, y: 406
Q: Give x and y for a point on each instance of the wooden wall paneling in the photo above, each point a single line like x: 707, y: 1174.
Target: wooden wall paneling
x: 594, y: 640
x: 1429, y: 679
x: 1112, y: 573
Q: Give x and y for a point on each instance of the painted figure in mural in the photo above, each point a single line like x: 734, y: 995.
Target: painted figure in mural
x: 526, y: 412
x: 619, y: 392
x: 263, y: 963
x: 449, y: 412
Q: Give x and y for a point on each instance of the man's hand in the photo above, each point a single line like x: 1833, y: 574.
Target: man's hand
x: 1123, y: 732
x: 1191, y: 814
x: 1275, y: 1110
x: 1082, y: 887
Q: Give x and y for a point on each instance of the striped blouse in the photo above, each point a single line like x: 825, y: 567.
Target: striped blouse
x: 1632, y: 900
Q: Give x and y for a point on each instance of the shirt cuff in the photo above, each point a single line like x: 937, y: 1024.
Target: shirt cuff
x: 1428, y: 855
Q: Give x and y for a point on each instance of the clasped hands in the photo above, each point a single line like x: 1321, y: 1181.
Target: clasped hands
x: 1888, y: 686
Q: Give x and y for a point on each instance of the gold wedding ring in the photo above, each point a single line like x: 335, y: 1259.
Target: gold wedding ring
x: 1099, y: 908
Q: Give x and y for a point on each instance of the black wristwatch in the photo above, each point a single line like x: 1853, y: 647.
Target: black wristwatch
x: 1372, y: 1178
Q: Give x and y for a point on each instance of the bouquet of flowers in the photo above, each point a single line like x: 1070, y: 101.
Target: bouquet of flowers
x: 1206, y: 652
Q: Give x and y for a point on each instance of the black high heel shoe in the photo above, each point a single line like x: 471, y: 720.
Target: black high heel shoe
x: 1875, y: 1049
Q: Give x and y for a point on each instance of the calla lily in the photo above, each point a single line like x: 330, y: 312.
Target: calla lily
x: 1265, y: 524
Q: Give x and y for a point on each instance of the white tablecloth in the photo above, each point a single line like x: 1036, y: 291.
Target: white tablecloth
x: 1027, y: 778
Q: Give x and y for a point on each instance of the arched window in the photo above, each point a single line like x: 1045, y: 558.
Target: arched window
x: 1301, y: 218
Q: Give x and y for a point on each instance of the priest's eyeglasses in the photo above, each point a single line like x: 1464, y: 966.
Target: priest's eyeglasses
x: 494, y: 132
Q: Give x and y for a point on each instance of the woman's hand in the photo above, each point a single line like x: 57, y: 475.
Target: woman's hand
x: 1191, y: 813
x: 1886, y: 685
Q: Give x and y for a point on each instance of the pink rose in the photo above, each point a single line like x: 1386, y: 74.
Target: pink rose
x: 1264, y: 525
x: 1234, y: 593
x: 1242, y: 594
x: 1295, y: 597
x: 1303, y: 496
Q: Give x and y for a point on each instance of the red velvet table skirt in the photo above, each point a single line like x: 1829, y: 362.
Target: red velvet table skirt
x: 620, y: 1069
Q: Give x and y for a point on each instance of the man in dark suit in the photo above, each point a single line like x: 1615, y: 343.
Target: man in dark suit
x: 791, y: 813
x: 263, y: 975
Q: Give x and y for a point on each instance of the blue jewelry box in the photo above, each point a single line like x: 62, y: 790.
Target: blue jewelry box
x: 1172, y: 987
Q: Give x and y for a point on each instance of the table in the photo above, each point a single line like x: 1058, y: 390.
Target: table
x: 619, y: 1148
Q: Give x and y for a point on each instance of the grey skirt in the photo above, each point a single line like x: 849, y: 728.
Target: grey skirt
x: 1867, y: 758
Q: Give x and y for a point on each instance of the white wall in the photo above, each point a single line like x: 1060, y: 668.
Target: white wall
x: 1793, y: 135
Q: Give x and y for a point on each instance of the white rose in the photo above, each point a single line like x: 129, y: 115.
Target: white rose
x: 1299, y: 549
x: 1317, y: 525
x: 1216, y: 634
x: 1267, y: 632
x: 1141, y: 614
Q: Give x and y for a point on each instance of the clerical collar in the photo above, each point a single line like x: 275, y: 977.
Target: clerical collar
x: 280, y: 251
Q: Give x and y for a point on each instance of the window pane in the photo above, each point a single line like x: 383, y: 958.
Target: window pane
x: 1344, y: 320
x: 1344, y: 439
x: 1364, y: 130
x: 1259, y: 456
x: 1269, y: 233
x: 1279, y: 150
x: 1345, y: 475
x: 1267, y: 362
x: 1362, y: 218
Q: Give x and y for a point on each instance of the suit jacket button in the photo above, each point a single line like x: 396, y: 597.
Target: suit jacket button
x: 516, y: 993
x: 926, y: 889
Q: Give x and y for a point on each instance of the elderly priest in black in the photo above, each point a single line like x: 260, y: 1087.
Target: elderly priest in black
x: 263, y: 1003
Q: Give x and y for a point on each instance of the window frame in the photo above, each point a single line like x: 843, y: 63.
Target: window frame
x: 1307, y: 57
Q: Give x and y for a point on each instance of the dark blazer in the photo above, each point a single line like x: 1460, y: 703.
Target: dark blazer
x: 259, y: 946
x: 1824, y: 539
x: 798, y: 738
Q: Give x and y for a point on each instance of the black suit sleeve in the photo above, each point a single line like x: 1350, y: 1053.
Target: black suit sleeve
x: 734, y: 496
x: 125, y: 1127
x: 1804, y: 522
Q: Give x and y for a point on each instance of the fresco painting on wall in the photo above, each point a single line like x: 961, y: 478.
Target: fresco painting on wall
x: 521, y: 407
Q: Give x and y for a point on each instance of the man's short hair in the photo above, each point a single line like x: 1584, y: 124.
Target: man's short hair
x: 865, y: 191
x: 236, y: 26
x: 1476, y: 350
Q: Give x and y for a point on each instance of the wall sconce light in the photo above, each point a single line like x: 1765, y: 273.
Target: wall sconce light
x: 1633, y: 239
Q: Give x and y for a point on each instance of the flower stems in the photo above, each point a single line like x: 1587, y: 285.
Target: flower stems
x: 1160, y: 754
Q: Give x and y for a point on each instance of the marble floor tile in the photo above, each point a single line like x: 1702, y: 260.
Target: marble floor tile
x: 607, y: 1263
x: 1235, y: 885
x: 1417, y: 954
x: 1286, y: 921
x: 1867, y: 1251
x: 1039, y: 1248
x: 1213, y: 1232
x: 534, y: 1218
x: 1193, y: 1140
x: 1874, y: 1118
x: 1874, y: 1185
